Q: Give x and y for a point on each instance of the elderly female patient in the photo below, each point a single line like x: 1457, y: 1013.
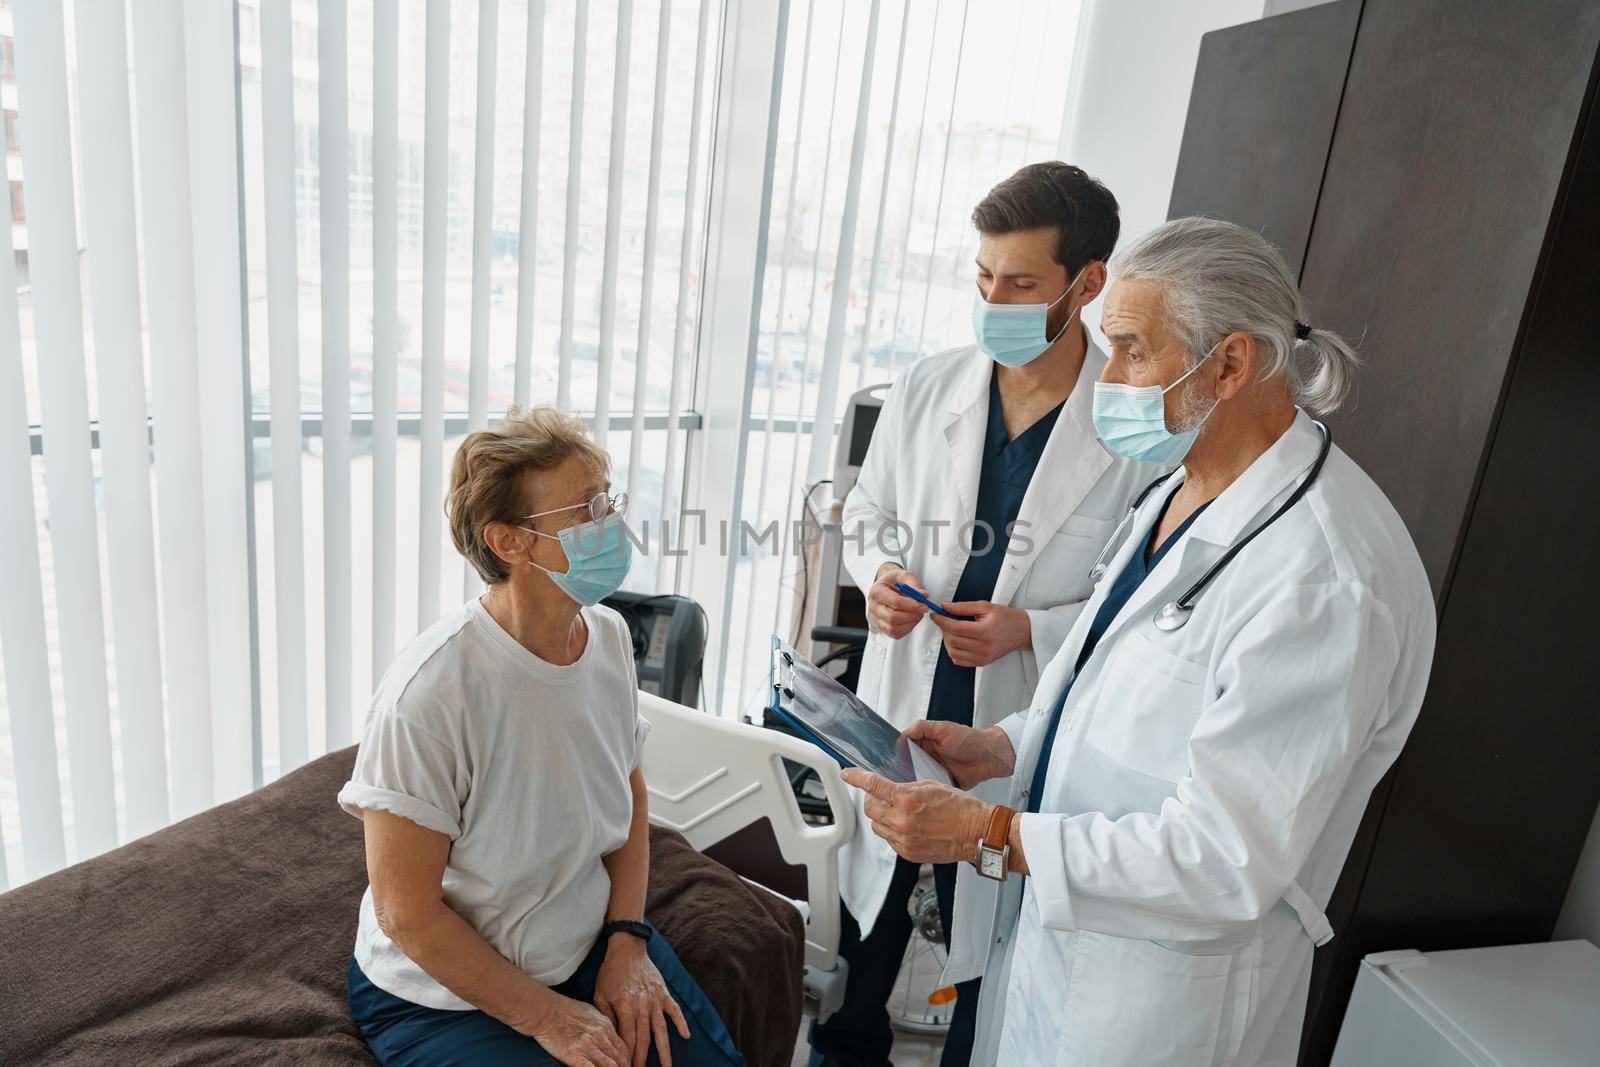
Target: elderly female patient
x: 504, y: 810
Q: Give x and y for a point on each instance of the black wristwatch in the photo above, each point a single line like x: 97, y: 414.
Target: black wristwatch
x: 628, y: 926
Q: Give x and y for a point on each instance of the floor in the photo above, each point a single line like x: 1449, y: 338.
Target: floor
x: 910, y: 1050
x: 919, y: 974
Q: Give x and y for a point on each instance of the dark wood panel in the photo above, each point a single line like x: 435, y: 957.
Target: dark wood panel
x: 1261, y: 118
x: 1494, y: 796
x: 1456, y: 123
x: 1489, y: 806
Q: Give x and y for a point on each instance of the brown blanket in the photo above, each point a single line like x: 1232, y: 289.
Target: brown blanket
x: 225, y: 938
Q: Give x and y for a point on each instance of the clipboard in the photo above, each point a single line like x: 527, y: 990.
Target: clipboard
x: 841, y: 723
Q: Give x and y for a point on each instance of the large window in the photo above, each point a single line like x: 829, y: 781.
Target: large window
x: 176, y: 631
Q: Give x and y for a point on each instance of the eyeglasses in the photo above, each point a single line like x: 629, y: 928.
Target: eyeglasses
x: 602, y: 505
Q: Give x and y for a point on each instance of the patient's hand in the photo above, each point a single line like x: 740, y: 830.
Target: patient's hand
x: 971, y: 756
x: 576, y: 1034
x: 633, y: 994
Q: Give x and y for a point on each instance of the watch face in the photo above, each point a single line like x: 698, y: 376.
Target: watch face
x: 991, y: 863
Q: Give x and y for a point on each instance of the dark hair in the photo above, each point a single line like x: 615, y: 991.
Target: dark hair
x: 1057, y: 194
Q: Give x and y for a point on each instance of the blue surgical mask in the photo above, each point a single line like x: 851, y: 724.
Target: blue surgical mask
x: 599, y: 554
x: 1132, y: 420
x: 1014, y: 334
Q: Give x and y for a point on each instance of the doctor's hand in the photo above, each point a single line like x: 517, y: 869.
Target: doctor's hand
x: 895, y: 613
x: 971, y: 756
x: 994, y: 630
x: 925, y: 822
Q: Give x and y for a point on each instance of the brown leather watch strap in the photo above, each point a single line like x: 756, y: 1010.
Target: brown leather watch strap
x: 999, y: 826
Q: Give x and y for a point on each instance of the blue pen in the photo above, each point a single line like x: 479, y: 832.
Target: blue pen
x: 905, y: 590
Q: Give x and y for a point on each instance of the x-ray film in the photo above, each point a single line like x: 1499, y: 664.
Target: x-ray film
x: 841, y: 723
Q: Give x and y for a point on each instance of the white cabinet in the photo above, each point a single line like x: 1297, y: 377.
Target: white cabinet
x: 1515, y: 1006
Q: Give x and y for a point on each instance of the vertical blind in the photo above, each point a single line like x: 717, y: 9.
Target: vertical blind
x: 284, y: 373
x: 57, y: 315
x: 274, y: 258
x: 108, y: 170
x: 455, y: 301
x: 213, y: 101
x: 321, y: 242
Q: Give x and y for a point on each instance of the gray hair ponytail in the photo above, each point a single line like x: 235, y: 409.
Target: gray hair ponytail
x: 1218, y: 278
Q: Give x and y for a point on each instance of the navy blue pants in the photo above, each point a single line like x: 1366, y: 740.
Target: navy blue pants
x: 399, y: 1032
x: 858, y: 1034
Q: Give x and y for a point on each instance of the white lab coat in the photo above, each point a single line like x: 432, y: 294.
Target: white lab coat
x: 1205, y: 784
x: 922, y: 469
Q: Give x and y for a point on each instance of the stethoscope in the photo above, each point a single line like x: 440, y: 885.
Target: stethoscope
x: 1174, y: 613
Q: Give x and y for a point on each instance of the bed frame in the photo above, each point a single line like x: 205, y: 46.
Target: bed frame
x: 710, y: 778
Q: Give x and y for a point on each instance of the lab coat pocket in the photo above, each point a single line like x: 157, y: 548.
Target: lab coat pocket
x: 869, y: 680
x: 1135, y: 1003
x: 1148, y: 702
x: 1060, y: 572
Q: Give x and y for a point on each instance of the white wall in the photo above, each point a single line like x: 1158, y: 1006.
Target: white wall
x: 1129, y: 95
x: 1581, y: 915
x: 1132, y: 70
x: 1283, y: 7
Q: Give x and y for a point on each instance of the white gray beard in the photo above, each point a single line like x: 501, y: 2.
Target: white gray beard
x: 1193, y: 408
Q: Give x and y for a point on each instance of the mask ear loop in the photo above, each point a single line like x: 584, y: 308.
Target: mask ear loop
x: 1200, y: 363
x: 540, y: 533
x: 1066, y: 325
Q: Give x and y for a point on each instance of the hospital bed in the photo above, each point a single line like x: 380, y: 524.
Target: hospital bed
x: 225, y: 938
x: 716, y: 781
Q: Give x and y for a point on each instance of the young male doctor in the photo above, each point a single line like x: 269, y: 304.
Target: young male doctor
x: 986, y: 489
x: 1199, y: 753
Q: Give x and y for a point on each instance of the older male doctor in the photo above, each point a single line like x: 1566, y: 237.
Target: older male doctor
x: 984, y: 488
x: 1185, y: 786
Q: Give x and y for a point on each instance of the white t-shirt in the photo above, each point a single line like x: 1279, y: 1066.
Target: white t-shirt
x: 525, y: 766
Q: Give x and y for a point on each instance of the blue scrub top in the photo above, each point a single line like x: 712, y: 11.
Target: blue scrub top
x: 1008, y: 467
x: 1133, y: 575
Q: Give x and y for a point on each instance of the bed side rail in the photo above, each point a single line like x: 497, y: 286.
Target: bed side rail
x: 709, y: 777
